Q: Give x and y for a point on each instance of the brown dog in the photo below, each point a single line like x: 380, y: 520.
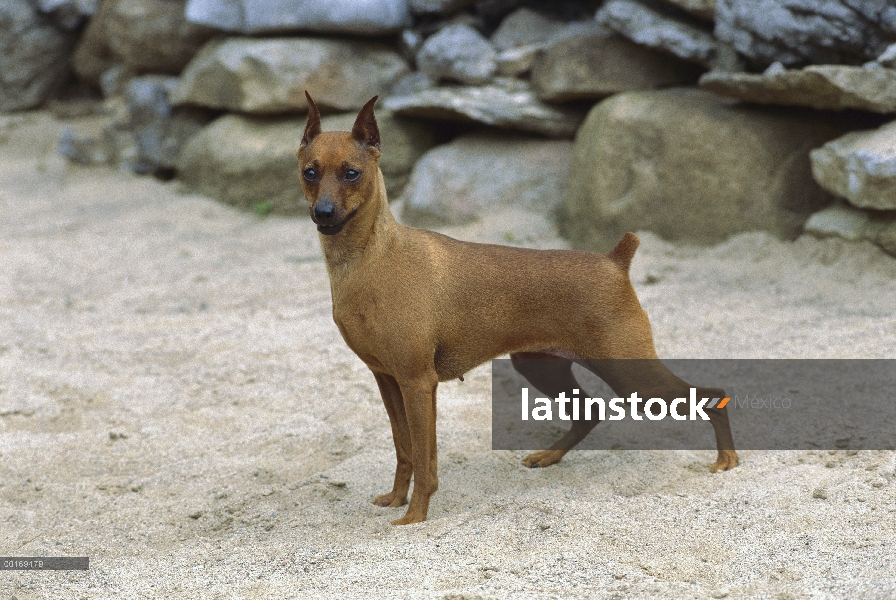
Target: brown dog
x: 419, y: 307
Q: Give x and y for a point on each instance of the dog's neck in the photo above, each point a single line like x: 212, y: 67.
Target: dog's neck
x: 366, y: 235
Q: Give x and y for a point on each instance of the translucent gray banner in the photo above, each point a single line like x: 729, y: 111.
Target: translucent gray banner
x: 771, y: 404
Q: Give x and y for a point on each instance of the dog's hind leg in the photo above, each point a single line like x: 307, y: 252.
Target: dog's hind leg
x: 652, y: 379
x: 552, y: 375
x: 401, y: 435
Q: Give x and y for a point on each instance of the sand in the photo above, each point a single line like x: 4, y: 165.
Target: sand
x: 177, y: 404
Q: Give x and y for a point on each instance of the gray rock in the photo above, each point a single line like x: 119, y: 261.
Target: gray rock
x: 824, y: 87
x: 34, y: 56
x: 403, y: 142
x: 797, y: 32
x: 370, y: 17
x: 860, y: 166
x: 145, y: 36
x: 67, y: 14
x: 888, y: 57
x: 443, y: 7
x: 455, y: 183
x: 271, y: 75
x: 691, y: 166
x: 161, y: 130
x: 646, y: 23
x: 87, y: 145
x: 852, y: 224
x: 144, y: 133
x: 457, y: 53
x: 524, y: 27
x: 704, y: 9
x: 244, y: 160
x: 518, y: 60
x: 506, y: 104
x: 602, y: 64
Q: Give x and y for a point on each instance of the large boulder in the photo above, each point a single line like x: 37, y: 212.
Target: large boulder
x: 455, y: 183
x: 860, y: 167
x: 34, y: 56
x: 692, y: 166
x: 600, y: 64
x: 652, y: 24
x: 823, y: 87
x: 367, y: 17
x: 146, y: 36
x: 800, y: 32
x: 458, y: 53
x: 269, y: 76
x: 508, y: 104
x: 525, y: 27
x: 251, y: 161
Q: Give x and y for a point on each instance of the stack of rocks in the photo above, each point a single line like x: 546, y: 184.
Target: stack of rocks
x: 695, y: 119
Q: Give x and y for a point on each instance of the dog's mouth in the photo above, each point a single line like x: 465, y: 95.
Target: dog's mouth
x: 334, y: 229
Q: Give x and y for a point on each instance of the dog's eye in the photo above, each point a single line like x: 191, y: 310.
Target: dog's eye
x: 352, y: 175
x: 310, y: 174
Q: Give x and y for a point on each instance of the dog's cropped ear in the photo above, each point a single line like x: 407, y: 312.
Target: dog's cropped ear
x: 365, y: 129
x: 312, y: 127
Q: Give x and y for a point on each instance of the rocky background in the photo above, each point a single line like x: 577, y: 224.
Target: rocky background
x: 695, y: 119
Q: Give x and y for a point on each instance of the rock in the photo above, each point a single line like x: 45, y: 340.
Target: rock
x: 823, y: 87
x: 518, y: 61
x: 371, y: 17
x: 693, y: 167
x: 844, y: 221
x: 271, y: 75
x: 602, y: 64
x: 92, y: 55
x: 524, y: 27
x: 457, y: 53
x: 798, y: 32
x: 888, y: 57
x: 508, y: 104
x: 647, y: 23
x: 860, y: 166
x: 143, y: 133
x: 704, y: 9
x: 146, y: 36
x: 161, y: 130
x: 244, y: 160
x: 442, y: 7
x: 88, y: 144
x: 34, y: 56
x: 455, y: 183
x: 67, y: 14
x: 403, y: 142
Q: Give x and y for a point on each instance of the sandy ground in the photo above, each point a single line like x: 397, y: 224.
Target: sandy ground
x: 176, y: 404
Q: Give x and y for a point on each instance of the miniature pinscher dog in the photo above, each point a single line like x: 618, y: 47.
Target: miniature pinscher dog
x: 419, y: 307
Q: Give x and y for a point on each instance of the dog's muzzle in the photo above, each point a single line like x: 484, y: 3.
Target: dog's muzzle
x: 333, y: 229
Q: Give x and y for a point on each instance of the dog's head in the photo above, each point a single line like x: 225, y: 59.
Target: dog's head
x: 338, y: 169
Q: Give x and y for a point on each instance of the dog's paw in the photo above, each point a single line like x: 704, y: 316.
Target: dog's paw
x: 544, y: 458
x: 727, y: 460
x: 390, y: 500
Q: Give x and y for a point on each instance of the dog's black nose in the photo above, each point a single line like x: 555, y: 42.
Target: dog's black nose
x: 325, y: 213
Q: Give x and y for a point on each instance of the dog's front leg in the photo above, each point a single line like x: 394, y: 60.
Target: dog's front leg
x: 419, y: 394
x: 391, y: 394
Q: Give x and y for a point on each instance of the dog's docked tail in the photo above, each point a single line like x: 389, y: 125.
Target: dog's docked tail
x: 624, y: 251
